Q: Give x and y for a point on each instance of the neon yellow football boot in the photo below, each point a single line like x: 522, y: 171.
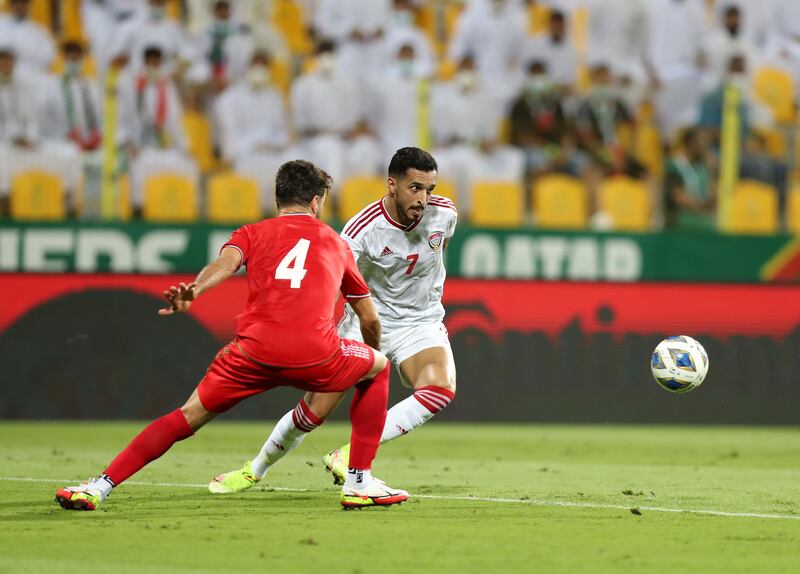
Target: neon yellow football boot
x: 336, y: 462
x: 78, y: 497
x: 234, y: 481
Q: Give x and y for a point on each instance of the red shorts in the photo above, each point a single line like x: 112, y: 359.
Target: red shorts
x: 232, y: 376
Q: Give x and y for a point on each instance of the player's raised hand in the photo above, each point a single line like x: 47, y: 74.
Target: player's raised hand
x: 179, y: 298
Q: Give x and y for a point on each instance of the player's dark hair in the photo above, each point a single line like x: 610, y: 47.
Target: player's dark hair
x: 299, y: 181
x: 411, y: 158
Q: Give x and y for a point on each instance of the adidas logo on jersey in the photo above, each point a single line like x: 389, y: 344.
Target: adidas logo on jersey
x: 386, y: 251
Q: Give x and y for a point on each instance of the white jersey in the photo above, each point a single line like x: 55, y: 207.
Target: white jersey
x: 403, y: 266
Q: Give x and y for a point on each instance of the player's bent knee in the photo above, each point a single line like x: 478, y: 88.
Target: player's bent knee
x: 322, y: 404
x: 447, y: 384
x: 379, y: 365
x: 195, y: 413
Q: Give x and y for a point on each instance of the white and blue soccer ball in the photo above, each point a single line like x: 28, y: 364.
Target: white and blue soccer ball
x: 679, y: 364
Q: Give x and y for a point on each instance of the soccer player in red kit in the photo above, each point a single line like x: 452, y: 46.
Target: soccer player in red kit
x: 296, y: 268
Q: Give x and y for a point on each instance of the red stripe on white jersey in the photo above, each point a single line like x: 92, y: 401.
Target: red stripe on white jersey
x: 437, y: 203
x: 361, y: 227
x: 366, y: 212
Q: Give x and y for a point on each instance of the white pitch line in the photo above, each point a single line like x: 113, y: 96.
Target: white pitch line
x: 529, y: 502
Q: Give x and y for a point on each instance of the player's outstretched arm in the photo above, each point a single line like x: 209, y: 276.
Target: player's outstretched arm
x: 180, y: 298
x: 370, y: 323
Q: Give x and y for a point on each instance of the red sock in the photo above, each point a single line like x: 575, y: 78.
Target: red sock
x: 368, y: 415
x: 151, y: 443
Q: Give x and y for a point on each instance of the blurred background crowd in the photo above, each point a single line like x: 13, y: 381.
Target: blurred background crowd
x: 606, y: 114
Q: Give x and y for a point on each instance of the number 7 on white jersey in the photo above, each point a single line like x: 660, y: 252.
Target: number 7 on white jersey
x: 292, y: 266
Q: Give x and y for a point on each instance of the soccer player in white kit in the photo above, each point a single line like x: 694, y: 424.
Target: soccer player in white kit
x: 398, y: 243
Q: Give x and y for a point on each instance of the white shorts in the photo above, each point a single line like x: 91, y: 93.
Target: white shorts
x: 405, y: 342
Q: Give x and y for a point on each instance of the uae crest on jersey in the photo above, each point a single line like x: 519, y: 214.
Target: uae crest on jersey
x: 435, y: 240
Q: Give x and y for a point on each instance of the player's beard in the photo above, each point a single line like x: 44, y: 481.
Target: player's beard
x: 415, y: 212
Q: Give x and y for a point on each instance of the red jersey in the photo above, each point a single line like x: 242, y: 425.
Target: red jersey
x: 296, y: 268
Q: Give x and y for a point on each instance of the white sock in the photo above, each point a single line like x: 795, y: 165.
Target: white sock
x: 286, y: 436
x: 357, y: 479
x: 103, y: 484
x: 414, y: 411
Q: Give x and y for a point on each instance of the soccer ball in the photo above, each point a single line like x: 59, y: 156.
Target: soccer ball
x: 679, y: 364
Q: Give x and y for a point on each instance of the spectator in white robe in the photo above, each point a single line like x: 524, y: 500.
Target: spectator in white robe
x: 121, y: 10
x: 357, y: 27
x: 783, y: 45
x: 399, y: 101
x: 723, y: 42
x: 326, y: 112
x: 401, y: 29
x: 465, y: 126
x: 252, y: 120
x: 28, y: 140
x: 152, y: 27
x: 31, y: 42
x: 756, y: 18
x: 71, y: 120
x: 617, y: 33
x: 224, y: 47
x: 555, y: 49
x: 19, y: 128
x: 674, y: 59
x: 150, y: 125
x: 496, y: 37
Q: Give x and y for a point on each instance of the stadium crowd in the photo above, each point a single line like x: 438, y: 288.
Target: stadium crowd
x: 106, y: 92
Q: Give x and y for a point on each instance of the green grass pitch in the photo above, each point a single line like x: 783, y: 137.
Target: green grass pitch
x: 564, y: 497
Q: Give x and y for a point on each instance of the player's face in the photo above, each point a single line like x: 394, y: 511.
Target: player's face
x: 411, y: 193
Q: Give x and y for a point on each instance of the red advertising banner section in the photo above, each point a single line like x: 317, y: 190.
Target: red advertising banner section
x: 680, y: 308
x: 492, y: 306
x: 572, y: 352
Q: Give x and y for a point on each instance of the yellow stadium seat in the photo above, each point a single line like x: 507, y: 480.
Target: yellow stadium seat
x: 583, y: 79
x: 497, y: 204
x: 124, y: 203
x: 774, y: 88
x: 233, y: 199
x: 560, y: 202
x: 579, y: 27
x: 452, y: 14
x: 446, y: 70
x: 282, y: 75
x: 357, y: 193
x: 753, y: 209
x: 37, y: 196
x: 288, y: 17
x: 649, y: 148
x: 175, y: 10
x: 446, y: 188
x: 793, y: 210
x: 538, y: 18
x: 627, y: 202
x: 198, y: 130
x: 170, y: 197
x: 429, y: 21
x: 71, y: 23
x: 775, y: 142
